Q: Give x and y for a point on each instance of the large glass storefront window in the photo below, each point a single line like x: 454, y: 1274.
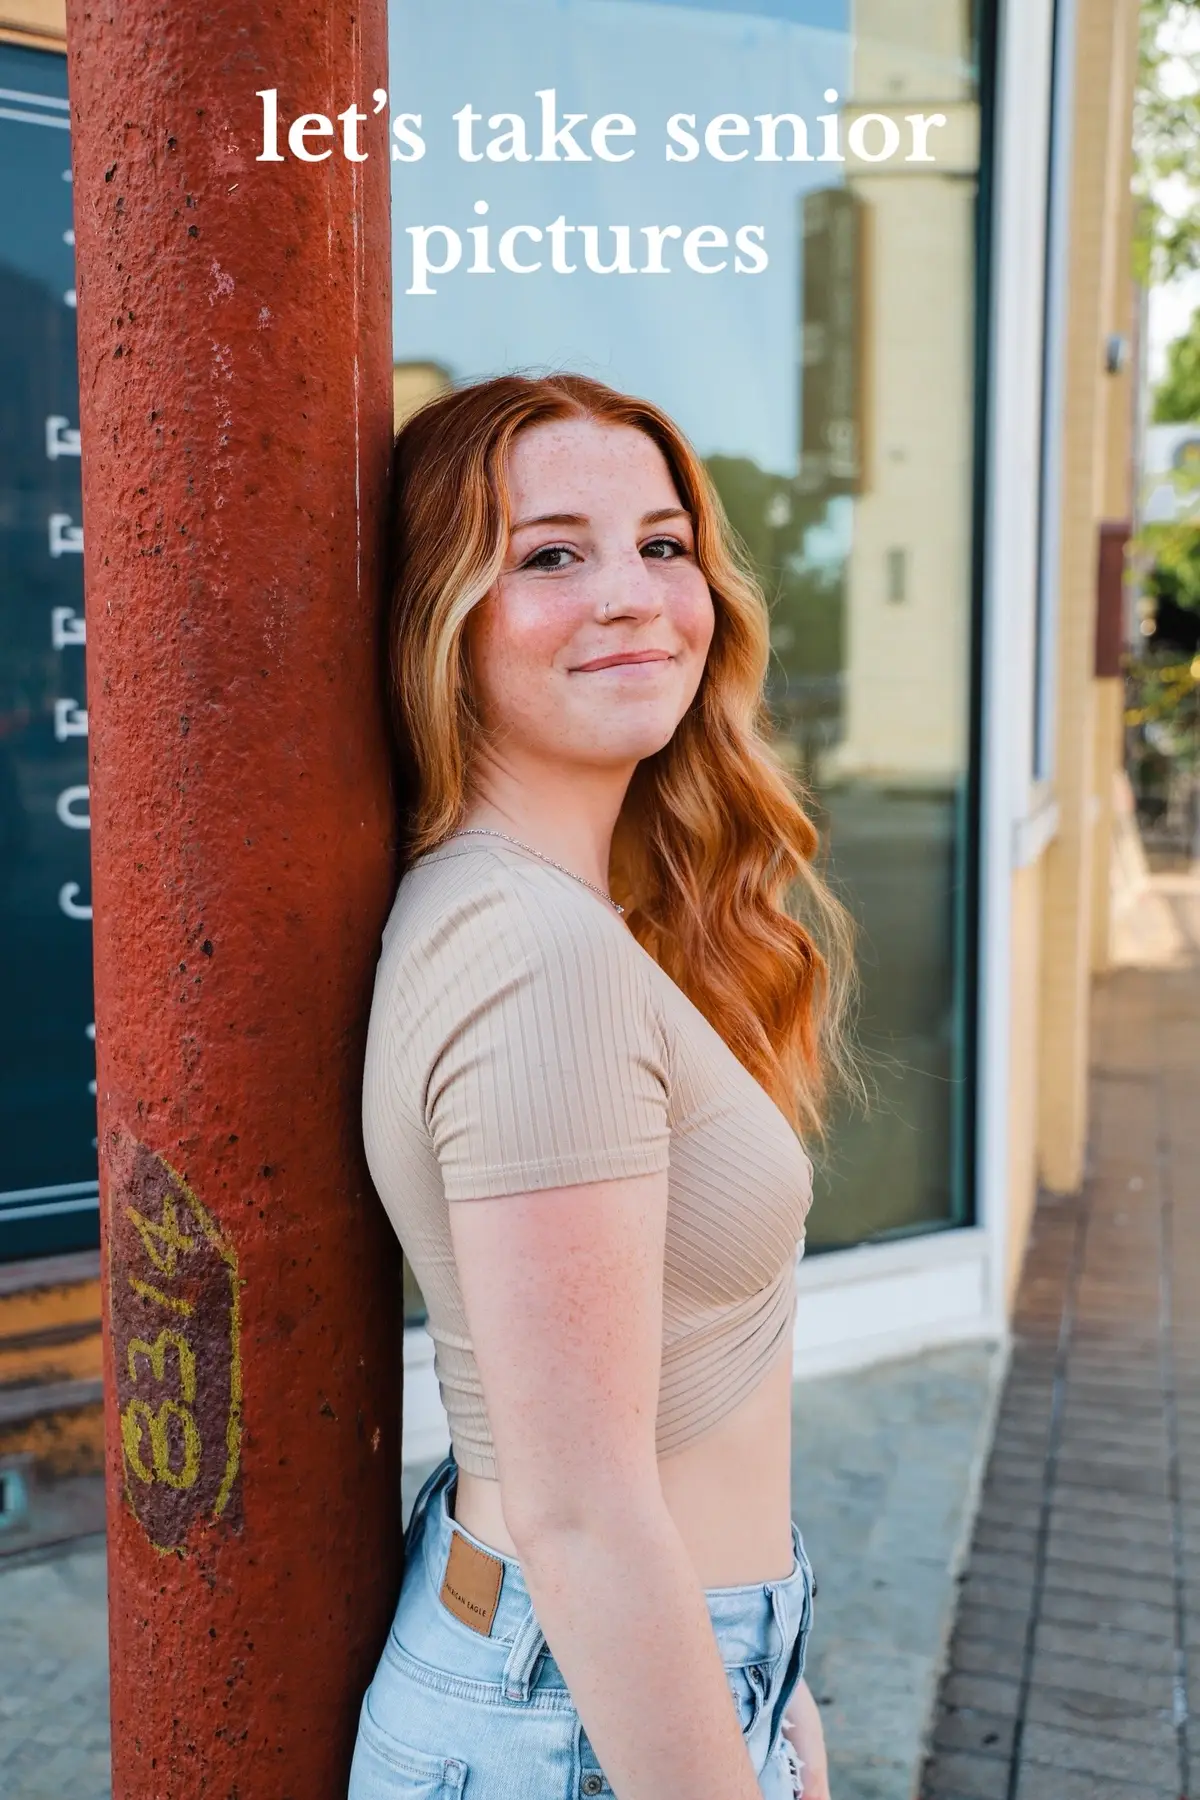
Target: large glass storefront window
x: 776, y: 241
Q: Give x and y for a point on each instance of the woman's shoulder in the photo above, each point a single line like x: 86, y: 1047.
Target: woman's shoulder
x: 484, y: 949
x: 463, y: 902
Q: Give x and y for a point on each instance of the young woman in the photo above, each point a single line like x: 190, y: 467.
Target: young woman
x: 597, y: 1036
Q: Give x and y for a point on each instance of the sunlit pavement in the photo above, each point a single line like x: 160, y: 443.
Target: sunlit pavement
x: 1075, y: 1665
x: 54, y: 1675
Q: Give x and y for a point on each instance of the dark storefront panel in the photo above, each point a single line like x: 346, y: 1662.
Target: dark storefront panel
x: 47, y: 1060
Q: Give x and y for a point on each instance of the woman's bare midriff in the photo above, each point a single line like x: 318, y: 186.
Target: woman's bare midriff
x: 729, y: 1492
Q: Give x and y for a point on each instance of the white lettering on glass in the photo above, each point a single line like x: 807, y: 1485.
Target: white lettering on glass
x: 75, y: 908
x: 70, y: 720
x: 65, y: 806
x: 67, y: 627
x: 62, y: 439
x: 64, y: 536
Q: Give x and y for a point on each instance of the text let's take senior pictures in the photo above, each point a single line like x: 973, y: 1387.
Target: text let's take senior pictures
x: 552, y: 134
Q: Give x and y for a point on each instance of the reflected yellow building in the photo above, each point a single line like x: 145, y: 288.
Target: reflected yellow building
x: 413, y: 383
x: 906, y: 704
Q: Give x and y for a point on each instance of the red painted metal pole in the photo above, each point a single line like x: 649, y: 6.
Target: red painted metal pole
x: 234, y: 353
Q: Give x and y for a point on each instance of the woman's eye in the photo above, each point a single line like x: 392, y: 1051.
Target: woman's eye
x: 553, y: 556
x: 664, y: 549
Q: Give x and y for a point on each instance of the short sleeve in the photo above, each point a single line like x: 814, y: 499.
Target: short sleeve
x: 549, y: 1065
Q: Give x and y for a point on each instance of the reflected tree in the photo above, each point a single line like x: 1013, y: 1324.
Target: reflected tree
x: 775, y: 521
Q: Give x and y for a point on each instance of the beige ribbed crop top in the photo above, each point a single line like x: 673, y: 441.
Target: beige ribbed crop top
x: 521, y: 1038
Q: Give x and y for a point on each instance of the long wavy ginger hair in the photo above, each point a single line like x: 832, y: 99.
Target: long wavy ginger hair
x: 713, y: 853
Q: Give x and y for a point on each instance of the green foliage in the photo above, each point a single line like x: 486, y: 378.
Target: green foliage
x: 1177, y: 396
x: 1168, y: 554
x: 771, y: 516
x: 1163, y: 712
x: 1174, y: 572
x: 1166, y: 132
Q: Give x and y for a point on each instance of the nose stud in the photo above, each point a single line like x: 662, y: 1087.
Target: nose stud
x: 604, y: 614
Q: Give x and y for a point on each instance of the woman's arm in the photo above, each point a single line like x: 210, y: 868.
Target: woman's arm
x: 563, y: 1295
x: 802, y: 1727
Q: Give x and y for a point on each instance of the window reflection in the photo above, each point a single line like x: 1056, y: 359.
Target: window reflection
x: 832, y: 398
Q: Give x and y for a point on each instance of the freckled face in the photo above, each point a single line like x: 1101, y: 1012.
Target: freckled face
x: 596, y: 526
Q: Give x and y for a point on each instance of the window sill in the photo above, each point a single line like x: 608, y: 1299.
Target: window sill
x: 1037, y: 830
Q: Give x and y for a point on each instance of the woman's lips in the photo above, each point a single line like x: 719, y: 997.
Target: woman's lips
x: 621, y: 657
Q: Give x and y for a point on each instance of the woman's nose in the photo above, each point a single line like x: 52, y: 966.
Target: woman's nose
x: 626, y: 588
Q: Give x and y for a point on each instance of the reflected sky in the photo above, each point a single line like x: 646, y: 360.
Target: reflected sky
x: 829, y: 15
x: 719, y: 351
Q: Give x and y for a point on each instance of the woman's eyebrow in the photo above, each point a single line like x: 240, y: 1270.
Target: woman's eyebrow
x: 550, y: 519
x: 650, y: 518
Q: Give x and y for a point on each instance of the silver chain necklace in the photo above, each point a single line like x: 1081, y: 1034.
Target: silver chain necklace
x: 486, y: 831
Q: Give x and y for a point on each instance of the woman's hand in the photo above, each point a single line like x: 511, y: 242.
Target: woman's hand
x: 802, y: 1728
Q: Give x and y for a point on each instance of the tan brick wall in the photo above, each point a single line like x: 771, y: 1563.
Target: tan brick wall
x: 1097, y: 294
x: 50, y: 1362
x: 42, y: 24
x: 1023, y: 1051
x: 1108, y: 749
x: 60, y: 1443
x: 1116, y: 503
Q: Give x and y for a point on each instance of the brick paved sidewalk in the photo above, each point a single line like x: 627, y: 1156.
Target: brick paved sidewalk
x: 1074, y: 1670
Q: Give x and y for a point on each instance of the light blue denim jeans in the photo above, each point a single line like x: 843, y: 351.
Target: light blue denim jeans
x: 451, y: 1713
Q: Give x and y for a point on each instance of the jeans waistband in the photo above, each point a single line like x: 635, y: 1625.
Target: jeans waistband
x: 751, y: 1621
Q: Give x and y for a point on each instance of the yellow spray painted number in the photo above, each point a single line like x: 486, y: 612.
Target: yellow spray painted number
x: 156, y: 1353
x: 158, y: 1427
x: 176, y: 1324
x: 164, y: 1241
x: 139, y: 1413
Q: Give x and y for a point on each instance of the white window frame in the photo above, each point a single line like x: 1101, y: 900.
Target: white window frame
x: 1044, y: 718
x: 1018, y: 813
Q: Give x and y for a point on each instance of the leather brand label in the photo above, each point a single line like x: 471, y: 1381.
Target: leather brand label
x: 471, y: 1585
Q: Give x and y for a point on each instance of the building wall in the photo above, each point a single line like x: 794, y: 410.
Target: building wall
x: 1105, y: 62
x: 1026, y: 926
x: 1117, y: 502
x: 1108, y: 752
x: 1060, y: 920
x: 50, y: 1360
